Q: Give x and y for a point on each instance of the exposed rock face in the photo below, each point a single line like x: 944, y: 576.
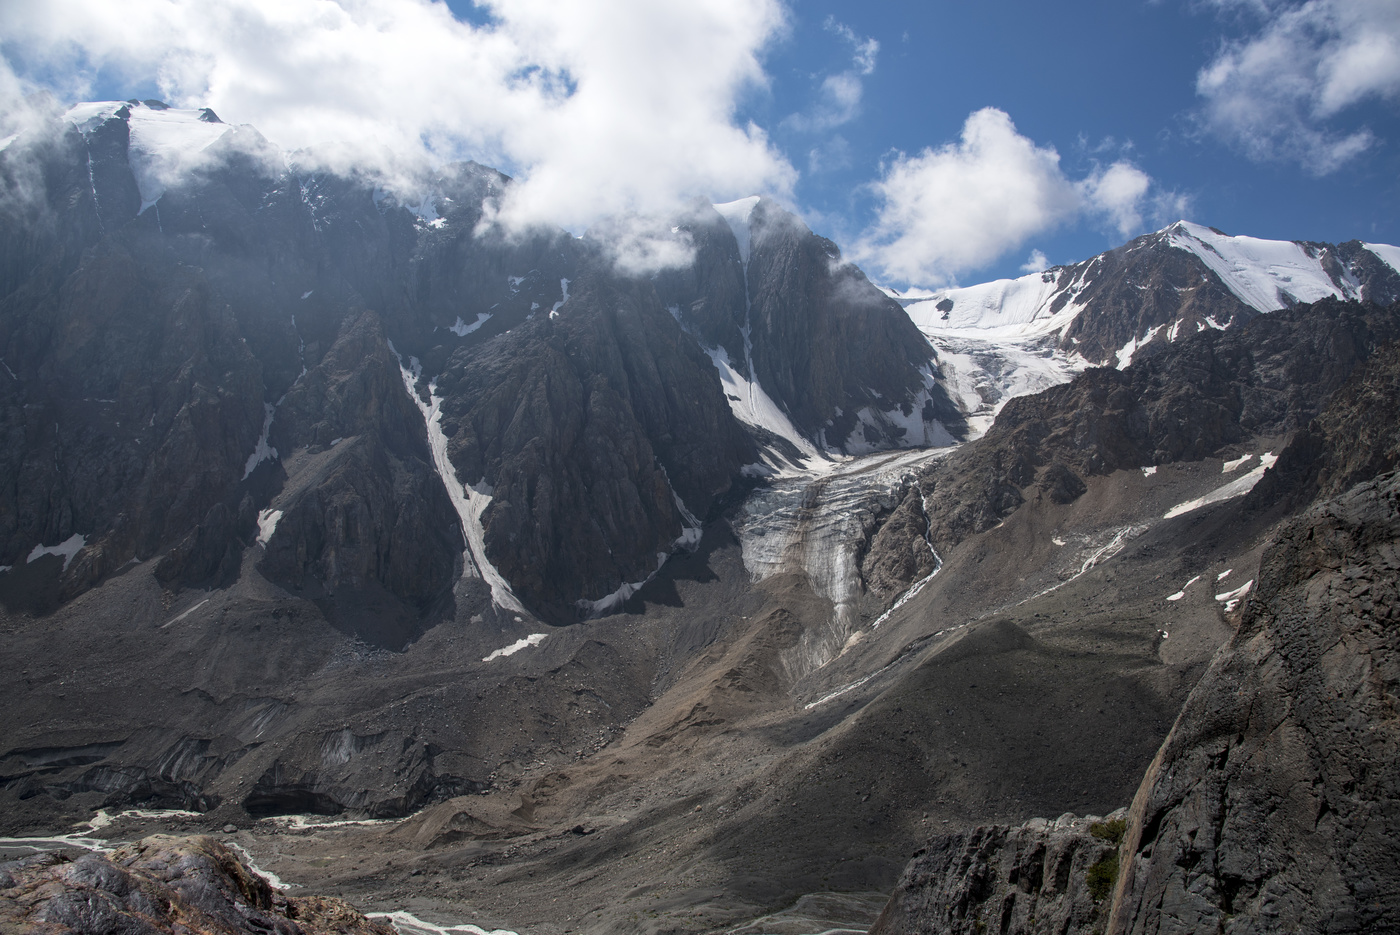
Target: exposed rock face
x: 1355, y: 438
x: 179, y: 367
x: 163, y: 885
x: 1181, y: 403
x: 1040, y: 878
x: 838, y: 356
x: 1270, y: 805
x: 363, y: 513
x: 1141, y: 285
x: 587, y: 427
x: 833, y: 347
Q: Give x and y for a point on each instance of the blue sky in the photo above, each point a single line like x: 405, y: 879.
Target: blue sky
x: 1098, y: 81
x: 936, y: 142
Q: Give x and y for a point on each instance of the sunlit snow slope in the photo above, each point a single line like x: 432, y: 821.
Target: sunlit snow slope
x: 1007, y: 338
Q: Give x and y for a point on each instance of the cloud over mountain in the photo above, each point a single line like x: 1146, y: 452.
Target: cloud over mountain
x: 956, y: 208
x: 598, y: 106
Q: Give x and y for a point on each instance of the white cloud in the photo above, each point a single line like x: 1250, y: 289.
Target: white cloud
x: 1275, y: 94
x: 957, y: 208
x: 1117, y: 193
x: 866, y: 48
x: 838, y: 101
x: 1037, y: 262
x: 598, y: 107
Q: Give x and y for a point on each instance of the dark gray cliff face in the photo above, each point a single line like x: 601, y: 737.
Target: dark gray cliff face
x: 1271, y: 804
x: 835, y: 353
x: 710, y: 294
x: 588, y: 426
x: 362, y: 514
x: 144, y: 347
x: 829, y: 342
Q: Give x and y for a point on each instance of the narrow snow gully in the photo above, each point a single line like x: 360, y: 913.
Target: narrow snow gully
x: 737, y: 215
x: 470, y: 502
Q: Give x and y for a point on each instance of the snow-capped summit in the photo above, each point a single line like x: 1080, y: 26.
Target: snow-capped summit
x: 164, y: 141
x: 1013, y: 336
x: 1268, y: 275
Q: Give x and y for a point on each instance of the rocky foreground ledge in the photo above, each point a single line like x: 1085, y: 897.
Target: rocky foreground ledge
x: 1040, y: 878
x: 162, y: 884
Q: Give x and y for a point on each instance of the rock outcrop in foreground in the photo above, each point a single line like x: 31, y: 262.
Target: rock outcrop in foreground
x: 1271, y: 805
x: 163, y: 884
x: 1042, y: 877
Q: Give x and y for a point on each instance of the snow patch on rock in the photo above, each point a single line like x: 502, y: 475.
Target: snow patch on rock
x: 737, y: 214
x: 1236, y: 488
x: 166, y: 143
x: 262, y: 451
x: 534, y: 639
x: 66, y: 550
x: 1266, y: 275
x: 267, y: 525
x: 461, y: 329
